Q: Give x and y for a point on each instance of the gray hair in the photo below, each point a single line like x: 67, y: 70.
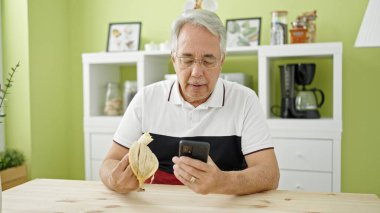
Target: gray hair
x: 203, y: 18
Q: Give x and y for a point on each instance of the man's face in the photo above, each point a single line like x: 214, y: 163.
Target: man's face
x: 197, y: 62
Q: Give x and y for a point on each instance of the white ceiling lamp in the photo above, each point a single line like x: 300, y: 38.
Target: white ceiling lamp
x: 211, y: 5
x: 369, y: 33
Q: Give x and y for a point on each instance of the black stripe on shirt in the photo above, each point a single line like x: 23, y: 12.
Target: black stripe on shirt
x: 225, y: 151
x: 170, y: 92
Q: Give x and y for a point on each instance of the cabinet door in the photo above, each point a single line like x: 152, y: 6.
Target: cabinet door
x: 304, y: 154
x: 95, y: 167
x: 305, y: 181
x: 100, y: 144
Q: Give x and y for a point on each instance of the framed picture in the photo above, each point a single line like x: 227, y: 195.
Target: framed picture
x: 243, y: 32
x: 124, y: 37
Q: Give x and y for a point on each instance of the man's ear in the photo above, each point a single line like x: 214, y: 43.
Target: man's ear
x: 172, y: 57
x: 222, y: 61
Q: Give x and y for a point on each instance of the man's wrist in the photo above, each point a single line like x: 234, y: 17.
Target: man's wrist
x: 224, y: 182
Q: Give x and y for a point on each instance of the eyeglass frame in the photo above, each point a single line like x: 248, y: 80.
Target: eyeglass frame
x: 200, y: 61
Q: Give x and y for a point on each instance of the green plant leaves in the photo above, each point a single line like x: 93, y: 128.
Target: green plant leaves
x: 11, y: 158
x: 5, y: 92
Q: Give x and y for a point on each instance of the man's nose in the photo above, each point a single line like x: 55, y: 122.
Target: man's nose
x: 197, y: 69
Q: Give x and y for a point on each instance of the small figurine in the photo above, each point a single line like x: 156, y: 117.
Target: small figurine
x: 198, y: 4
x: 210, y: 5
x: 310, y: 24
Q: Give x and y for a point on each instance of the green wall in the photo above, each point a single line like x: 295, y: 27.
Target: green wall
x: 54, y: 35
x: 16, y: 49
x: 36, y: 34
x: 49, y: 80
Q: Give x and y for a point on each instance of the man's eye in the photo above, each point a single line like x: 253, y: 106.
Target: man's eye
x: 208, y: 60
x: 187, y: 60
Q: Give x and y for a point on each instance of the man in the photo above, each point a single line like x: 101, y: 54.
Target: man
x: 198, y: 106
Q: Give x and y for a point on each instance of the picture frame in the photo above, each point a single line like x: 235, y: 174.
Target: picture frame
x: 124, y: 37
x: 243, y: 32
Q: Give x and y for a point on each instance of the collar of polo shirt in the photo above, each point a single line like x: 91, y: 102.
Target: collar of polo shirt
x: 215, y: 100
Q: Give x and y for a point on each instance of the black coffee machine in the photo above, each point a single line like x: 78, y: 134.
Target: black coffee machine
x: 296, y: 100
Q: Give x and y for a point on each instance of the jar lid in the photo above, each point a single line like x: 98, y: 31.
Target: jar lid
x: 280, y: 11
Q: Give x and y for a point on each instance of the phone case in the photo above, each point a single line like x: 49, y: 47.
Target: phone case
x: 194, y: 149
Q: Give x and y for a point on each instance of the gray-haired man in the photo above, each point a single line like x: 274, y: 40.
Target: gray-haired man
x: 197, y: 106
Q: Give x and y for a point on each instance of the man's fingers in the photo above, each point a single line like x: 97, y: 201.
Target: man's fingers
x: 210, y: 161
x: 122, y: 164
x: 129, y: 173
x: 176, y: 172
x: 193, y: 163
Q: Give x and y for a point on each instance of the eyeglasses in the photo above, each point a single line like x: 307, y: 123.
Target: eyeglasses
x: 208, y: 62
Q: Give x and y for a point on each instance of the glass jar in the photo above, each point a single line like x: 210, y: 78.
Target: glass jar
x: 113, y: 105
x: 130, y: 90
x: 279, y: 28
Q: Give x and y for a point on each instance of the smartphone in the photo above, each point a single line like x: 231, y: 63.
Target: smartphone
x: 194, y: 149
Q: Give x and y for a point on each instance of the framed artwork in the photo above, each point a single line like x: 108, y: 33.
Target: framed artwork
x: 243, y: 32
x: 124, y: 36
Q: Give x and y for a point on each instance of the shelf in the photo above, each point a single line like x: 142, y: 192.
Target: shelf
x: 111, y: 57
x: 103, y: 67
x: 301, y: 50
x: 157, y: 53
x: 268, y: 54
x: 242, y: 50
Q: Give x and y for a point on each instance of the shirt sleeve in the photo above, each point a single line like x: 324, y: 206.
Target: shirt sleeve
x: 130, y: 127
x: 255, y: 133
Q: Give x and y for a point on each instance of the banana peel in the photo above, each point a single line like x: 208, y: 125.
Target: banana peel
x: 142, y: 160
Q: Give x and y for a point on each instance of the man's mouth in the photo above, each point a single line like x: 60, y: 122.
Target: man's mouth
x: 197, y: 85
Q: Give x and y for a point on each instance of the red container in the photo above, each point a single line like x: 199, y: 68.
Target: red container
x: 298, y: 35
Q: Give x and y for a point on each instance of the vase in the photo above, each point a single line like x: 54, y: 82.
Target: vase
x: 13, y: 176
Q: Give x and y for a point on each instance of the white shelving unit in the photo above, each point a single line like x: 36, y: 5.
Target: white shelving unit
x: 308, y: 151
x: 98, y: 70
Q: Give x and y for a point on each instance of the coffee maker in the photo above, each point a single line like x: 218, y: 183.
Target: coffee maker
x: 296, y: 100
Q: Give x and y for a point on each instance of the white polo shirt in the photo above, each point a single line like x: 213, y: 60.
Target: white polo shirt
x: 231, y: 120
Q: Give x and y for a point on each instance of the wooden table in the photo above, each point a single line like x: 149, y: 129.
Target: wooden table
x: 47, y: 195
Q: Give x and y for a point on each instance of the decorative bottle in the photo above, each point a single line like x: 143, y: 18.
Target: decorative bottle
x: 279, y: 28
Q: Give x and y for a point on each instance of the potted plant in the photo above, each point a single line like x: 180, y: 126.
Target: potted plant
x: 12, y: 168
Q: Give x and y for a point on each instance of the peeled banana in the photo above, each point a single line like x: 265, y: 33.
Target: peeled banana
x: 142, y: 160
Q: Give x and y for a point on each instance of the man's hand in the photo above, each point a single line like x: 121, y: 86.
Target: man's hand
x: 261, y: 174
x: 203, y: 178
x: 121, y: 178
